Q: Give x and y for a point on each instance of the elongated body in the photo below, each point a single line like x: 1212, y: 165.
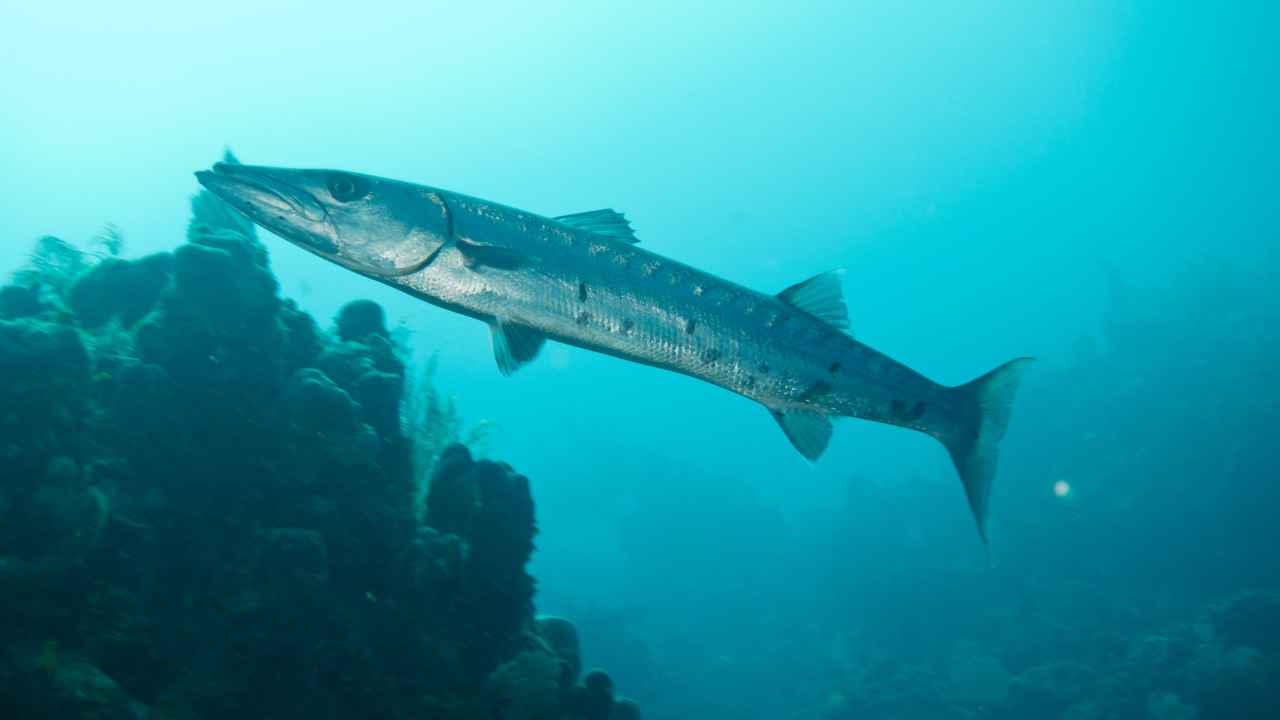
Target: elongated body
x: 582, y: 280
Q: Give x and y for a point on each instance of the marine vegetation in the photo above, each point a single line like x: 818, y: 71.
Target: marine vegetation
x: 209, y: 509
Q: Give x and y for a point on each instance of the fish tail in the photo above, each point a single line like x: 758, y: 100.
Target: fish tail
x: 984, y: 407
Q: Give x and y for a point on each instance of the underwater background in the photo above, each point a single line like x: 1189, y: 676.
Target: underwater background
x: 218, y: 458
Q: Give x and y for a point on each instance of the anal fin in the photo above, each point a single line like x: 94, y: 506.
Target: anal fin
x: 514, y: 344
x: 807, y: 430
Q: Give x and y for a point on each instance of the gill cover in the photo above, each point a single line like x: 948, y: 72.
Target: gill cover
x: 374, y: 226
x: 384, y: 227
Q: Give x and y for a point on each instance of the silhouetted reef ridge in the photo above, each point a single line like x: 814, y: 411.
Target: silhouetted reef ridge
x: 209, y: 508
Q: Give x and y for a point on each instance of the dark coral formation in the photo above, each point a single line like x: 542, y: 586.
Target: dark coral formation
x: 207, y: 510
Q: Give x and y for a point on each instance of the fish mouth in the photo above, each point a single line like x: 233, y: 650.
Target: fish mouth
x: 270, y: 200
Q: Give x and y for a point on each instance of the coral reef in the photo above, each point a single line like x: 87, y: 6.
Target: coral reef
x: 209, y: 509
x: 1184, y: 672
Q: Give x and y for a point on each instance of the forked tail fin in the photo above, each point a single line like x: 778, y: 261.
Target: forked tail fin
x: 974, y: 442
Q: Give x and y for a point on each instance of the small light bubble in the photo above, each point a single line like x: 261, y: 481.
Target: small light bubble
x: 1062, y: 488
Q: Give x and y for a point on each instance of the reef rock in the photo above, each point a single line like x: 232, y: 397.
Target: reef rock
x: 359, y: 319
x: 123, y: 290
x: 208, y: 509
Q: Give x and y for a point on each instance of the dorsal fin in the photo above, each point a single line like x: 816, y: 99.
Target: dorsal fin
x: 607, y: 222
x: 514, y: 345
x: 820, y: 296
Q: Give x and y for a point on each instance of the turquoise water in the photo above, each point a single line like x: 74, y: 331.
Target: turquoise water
x: 1090, y: 183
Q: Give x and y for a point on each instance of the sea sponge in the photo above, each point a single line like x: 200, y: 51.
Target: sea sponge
x: 489, y: 508
x: 453, y: 498
x: 597, y: 698
x: 562, y: 637
x: 20, y: 301
x: 44, y: 383
x: 503, y: 533
x: 526, y: 688
x: 302, y: 336
x: 326, y: 419
x: 41, y: 363
x: 345, y: 363
x: 432, y: 562
x: 223, y: 279
x: 141, y: 404
x: 319, y: 407
x: 120, y: 289
x: 625, y: 709
x: 359, y: 319
x: 216, y: 328
x: 379, y: 395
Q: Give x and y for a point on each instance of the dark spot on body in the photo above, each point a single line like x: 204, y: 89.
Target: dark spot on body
x: 834, y: 369
x: 917, y: 411
x: 749, y: 382
x: 711, y: 355
x: 897, y: 407
x: 764, y: 368
x: 584, y: 318
x: 690, y: 326
x: 582, y: 292
x: 628, y: 326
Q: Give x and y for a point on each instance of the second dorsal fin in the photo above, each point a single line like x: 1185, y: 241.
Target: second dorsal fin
x: 822, y: 297
x: 607, y: 222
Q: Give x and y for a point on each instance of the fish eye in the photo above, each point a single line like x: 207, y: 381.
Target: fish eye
x: 345, y: 188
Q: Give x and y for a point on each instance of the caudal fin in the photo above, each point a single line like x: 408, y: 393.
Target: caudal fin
x: 974, y: 442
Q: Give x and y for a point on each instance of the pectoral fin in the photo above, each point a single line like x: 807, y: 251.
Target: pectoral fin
x: 514, y: 345
x: 480, y: 255
x: 807, y: 430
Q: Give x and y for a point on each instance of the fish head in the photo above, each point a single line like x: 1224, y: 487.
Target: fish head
x: 374, y: 226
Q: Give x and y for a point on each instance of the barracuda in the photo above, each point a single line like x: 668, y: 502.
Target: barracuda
x: 581, y: 279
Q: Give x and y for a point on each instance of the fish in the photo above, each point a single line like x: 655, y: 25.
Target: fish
x: 582, y: 279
